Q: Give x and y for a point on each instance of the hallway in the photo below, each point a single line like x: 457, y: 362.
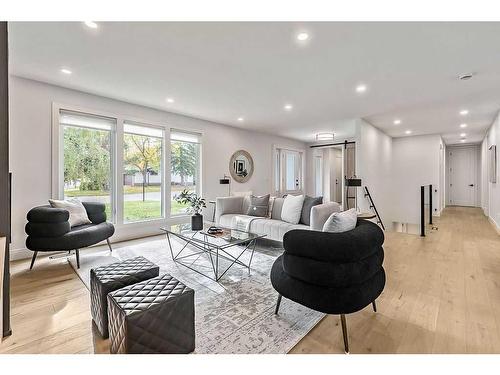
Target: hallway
x: 442, y: 294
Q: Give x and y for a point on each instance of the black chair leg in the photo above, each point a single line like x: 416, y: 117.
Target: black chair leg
x: 33, y: 260
x: 77, y: 252
x: 278, y: 304
x: 344, y: 333
x: 374, y: 306
x: 109, y: 245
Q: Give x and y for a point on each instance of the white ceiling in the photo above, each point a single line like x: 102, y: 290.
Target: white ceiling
x: 221, y: 71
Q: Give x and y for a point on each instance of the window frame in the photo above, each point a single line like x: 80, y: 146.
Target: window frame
x: 58, y: 154
x: 279, y: 172
x: 141, y: 228
x: 198, y: 186
x: 163, y: 189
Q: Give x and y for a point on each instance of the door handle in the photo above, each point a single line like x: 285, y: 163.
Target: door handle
x: 471, y: 185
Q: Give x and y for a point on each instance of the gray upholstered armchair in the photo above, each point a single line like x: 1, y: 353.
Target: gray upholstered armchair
x: 48, y: 229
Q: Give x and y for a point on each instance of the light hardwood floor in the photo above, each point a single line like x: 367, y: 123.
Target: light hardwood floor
x: 442, y: 296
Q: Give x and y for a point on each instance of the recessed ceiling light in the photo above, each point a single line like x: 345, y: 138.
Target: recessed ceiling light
x: 464, y: 112
x: 397, y: 122
x: 463, y: 125
x: 288, y: 107
x: 408, y: 132
x: 241, y: 119
x: 463, y: 140
x: 170, y: 100
x: 302, y: 37
x: 66, y: 71
x: 325, y: 136
x: 91, y: 24
x: 463, y: 135
x: 361, y: 88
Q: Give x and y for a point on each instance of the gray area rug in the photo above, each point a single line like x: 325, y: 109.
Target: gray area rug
x: 234, y: 315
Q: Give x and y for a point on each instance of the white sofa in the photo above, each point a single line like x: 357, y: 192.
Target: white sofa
x: 228, y: 208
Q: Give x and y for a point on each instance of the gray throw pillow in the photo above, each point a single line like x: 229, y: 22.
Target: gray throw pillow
x: 259, y: 206
x: 339, y: 222
x: 309, y: 202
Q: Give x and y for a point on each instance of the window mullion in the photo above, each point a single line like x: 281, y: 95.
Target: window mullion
x: 118, y: 173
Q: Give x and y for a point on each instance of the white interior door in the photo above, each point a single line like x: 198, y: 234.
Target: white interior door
x: 463, y: 176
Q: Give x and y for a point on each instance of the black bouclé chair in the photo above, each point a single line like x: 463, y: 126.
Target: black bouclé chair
x: 334, y: 273
x: 48, y: 229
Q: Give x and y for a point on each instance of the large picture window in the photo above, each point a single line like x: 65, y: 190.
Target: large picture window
x: 185, y: 167
x: 123, y: 164
x: 142, y: 177
x: 87, y: 143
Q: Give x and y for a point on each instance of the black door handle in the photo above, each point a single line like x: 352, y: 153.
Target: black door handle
x: 471, y: 185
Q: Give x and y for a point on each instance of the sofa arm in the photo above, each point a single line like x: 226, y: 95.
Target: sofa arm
x: 321, y: 212
x: 45, y: 221
x: 95, y: 211
x: 228, y: 205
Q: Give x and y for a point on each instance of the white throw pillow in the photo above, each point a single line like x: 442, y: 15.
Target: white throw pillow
x: 292, y: 208
x: 339, y: 222
x: 77, y: 213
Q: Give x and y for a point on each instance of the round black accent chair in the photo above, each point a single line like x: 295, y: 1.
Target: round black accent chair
x: 48, y: 229
x: 334, y: 273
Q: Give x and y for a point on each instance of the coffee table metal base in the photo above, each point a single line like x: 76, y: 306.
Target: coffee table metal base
x: 213, y: 252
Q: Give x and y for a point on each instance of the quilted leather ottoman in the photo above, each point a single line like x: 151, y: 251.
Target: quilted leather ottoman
x: 114, y: 276
x: 153, y: 316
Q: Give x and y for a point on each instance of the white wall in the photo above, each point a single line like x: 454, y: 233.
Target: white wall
x: 373, y: 165
x: 490, y: 199
x: 415, y: 163
x: 393, y: 169
x: 30, y: 151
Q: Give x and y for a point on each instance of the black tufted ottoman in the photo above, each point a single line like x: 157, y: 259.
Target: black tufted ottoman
x: 153, y: 316
x: 114, y: 276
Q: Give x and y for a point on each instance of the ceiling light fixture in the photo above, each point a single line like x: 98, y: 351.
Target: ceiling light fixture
x: 463, y: 140
x: 464, y: 112
x: 241, y: 119
x: 170, y: 100
x: 463, y: 135
x: 463, y: 125
x: 465, y: 77
x: 66, y: 71
x: 288, y: 107
x: 361, y: 88
x: 397, y: 122
x: 408, y: 132
x: 302, y: 37
x: 325, y: 136
x: 91, y: 24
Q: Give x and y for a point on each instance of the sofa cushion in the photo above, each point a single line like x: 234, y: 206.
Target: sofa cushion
x: 273, y: 229
x: 226, y: 220
x: 309, y: 203
x: 292, y: 208
x: 259, y: 206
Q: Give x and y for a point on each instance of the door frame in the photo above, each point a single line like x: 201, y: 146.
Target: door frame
x: 477, y: 170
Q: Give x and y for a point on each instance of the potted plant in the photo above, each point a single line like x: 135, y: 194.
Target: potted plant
x: 196, y: 204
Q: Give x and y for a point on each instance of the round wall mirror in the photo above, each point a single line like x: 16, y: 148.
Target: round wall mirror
x: 241, y: 166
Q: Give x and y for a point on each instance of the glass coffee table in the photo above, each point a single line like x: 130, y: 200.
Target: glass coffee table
x: 211, y: 255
